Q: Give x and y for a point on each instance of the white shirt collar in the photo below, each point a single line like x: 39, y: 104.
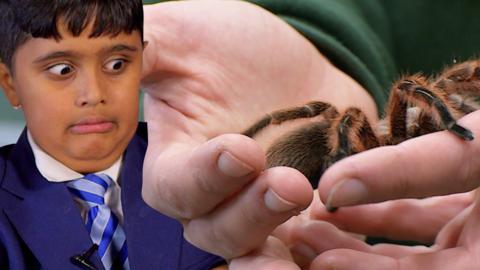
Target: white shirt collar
x: 54, y: 171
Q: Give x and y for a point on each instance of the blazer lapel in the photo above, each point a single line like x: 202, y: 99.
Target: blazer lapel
x: 154, y: 240
x: 45, y: 214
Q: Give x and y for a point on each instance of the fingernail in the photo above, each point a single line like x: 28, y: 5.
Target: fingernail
x: 304, y: 251
x: 347, y: 192
x: 232, y: 166
x: 276, y: 203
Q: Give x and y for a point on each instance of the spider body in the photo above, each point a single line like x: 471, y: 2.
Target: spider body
x: 417, y: 105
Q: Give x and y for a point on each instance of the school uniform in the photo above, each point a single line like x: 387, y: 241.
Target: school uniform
x: 41, y: 226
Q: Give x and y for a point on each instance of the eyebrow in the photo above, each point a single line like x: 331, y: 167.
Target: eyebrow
x: 54, y: 55
x: 121, y: 47
x: 63, y: 54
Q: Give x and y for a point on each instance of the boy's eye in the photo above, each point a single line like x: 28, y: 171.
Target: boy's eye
x: 61, y: 69
x: 115, y: 65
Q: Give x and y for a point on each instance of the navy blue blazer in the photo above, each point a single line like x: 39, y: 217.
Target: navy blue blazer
x: 41, y: 226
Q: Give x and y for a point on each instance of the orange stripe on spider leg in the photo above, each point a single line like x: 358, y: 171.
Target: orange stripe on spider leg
x: 351, y: 133
x: 420, y: 96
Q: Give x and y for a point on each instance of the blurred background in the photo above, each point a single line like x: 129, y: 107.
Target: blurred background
x: 11, y: 122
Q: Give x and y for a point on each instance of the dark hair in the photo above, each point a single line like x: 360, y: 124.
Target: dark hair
x: 21, y: 20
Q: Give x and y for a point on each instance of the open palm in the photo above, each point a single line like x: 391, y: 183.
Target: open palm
x: 211, y: 68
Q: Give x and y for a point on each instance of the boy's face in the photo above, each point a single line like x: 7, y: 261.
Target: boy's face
x: 79, y: 95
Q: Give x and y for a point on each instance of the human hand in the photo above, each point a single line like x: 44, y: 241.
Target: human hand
x: 417, y: 168
x: 300, y: 240
x: 304, y: 237
x: 207, y: 76
x: 322, y: 231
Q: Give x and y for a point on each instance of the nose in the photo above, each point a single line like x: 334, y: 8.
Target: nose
x: 90, y: 90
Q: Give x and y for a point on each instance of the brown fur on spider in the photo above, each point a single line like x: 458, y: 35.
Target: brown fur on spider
x: 417, y: 105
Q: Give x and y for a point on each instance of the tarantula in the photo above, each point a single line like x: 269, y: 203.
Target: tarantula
x: 417, y: 105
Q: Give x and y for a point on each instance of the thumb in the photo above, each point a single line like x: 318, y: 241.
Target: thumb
x: 435, y: 164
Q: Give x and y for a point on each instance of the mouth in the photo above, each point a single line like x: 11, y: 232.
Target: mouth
x: 92, y: 125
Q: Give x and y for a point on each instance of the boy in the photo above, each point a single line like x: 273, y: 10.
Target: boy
x: 74, y: 68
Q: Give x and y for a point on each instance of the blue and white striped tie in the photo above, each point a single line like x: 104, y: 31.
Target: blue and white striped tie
x: 101, y: 222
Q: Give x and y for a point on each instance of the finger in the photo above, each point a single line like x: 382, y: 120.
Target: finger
x: 455, y: 258
x: 449, y: 236
x: 243, y: 223
x: 208, y: 174
x: 398, y: 219
x: 341, y: 259
x: 316, y: 237
x: 434, y: 164
x: 287, y: 230
x: 469, y: 234
x: 274, y: 255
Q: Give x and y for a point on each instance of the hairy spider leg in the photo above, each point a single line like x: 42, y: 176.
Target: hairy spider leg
x: 462, y: 83
x: 406, y: 120
x: 396, y: 116
x: 308, y: 110
x: 409, y: 91
x: 351, y: 133
x: 461, y: 78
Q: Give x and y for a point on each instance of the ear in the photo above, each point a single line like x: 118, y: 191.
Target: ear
x: 145, y: 44
x: 6, y: 83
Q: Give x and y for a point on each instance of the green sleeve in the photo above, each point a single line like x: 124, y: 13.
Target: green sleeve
x: 340, y: 31
x: 376, y: 41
